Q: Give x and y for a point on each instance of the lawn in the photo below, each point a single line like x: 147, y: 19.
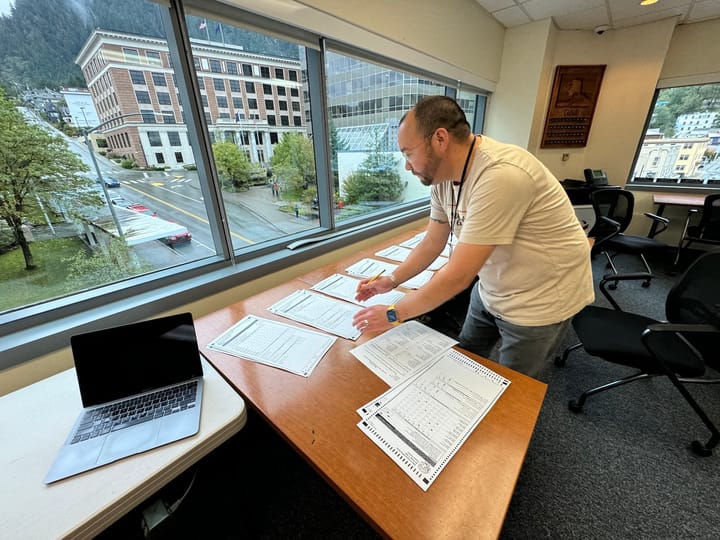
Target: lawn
x: 23, y: 287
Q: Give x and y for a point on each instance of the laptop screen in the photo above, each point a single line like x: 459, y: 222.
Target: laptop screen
x: 118, y: 362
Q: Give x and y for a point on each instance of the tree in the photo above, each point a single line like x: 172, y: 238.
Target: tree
x: 293, y: 162
x: 336, y: 144
x: 377, y: 178
x: 232, y: 165
x: 111, y: 262
x: 37, y: 172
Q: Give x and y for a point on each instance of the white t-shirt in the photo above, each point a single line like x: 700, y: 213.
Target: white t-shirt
x: 539, y: 272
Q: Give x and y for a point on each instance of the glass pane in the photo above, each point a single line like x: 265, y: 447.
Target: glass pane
x: 123, y: 202
x: 266, y: 164
x: 366, y: 102
x: 682, y: 141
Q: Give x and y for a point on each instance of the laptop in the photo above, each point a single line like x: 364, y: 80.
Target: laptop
x: 141, y: 387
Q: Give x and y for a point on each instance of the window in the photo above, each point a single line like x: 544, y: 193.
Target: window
x: 154, y: 138
x: 114, y: 265
x: 159, y: 79
x: 269, y: 104
x: 137, y: 77
x: 250, y: 87
x: 231, y: 68
x: 267, y: 89
x: 280, y: 90
x: 682, y: 140
x: 174, y: 138
x: 143, y: 97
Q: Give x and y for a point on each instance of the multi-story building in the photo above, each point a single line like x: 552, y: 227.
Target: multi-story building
x: 670, y: 158
x: 696, y: 124
x: 250, y: 99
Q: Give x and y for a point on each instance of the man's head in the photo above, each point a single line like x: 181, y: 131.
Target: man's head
x: 426, y: 132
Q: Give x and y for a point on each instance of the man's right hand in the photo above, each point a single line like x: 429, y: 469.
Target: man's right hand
x: 367, y: 290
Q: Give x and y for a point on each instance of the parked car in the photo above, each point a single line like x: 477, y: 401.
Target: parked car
x: 178, y: 238
x: 111, y: 182
x: 135, y: 207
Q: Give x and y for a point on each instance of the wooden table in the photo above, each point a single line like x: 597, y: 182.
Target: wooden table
x: 316, y: 415
x: 674, y: 199
x: 36, y: 421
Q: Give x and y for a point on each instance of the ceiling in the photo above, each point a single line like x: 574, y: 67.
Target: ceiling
x: 588, y: 14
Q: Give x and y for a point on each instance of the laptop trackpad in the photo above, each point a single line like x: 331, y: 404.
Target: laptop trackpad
x: 128, y: 441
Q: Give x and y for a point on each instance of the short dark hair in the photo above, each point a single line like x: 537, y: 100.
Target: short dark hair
x: 433, y: 112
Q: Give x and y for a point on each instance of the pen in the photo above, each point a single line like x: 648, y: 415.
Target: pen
x: 380, y: 273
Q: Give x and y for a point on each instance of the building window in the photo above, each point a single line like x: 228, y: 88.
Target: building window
x: 174, y: 138
x: 267, y: 89
x: 265, y: 72
x: 219, y: 85
x: 250, y: 87
x: 131, y: 56
x: 247, y: 70
x: 159, y: 79
x: 204, y: 99
x: 252, y: 103
x: 153, y: 58
x: 269, y: 104
x: 295, y: 106
x: 222, y: 102
x: 283, y: 105
x: 297, y: 121
x: 672, y: 128
x: 154, y: 138
x: 293, y: 75
x: 281, y: 91
x: 201, y: 83
x: 231, y: 68
x: 160, y: 158
x: 279, y: 74
x: 178, y: 157
x: 143, y: 97
x: 235, y: 86
x: 215, y: 66
x: 164, y: 98
x: 271, y: 119
x: 237, y: 103
x: 137, y: 77
x: 148, y: 117
x: 168, y: 117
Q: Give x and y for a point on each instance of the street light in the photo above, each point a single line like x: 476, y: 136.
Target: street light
x: 89, y: 145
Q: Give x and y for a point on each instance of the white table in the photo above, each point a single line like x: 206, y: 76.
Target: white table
x: 34, y: 422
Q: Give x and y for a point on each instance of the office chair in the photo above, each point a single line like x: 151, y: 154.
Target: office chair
x: 613, y: 213
x: 679, y: 349
x: 705, y: 231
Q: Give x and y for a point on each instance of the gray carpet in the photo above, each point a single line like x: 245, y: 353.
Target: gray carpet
x: 619, y: 469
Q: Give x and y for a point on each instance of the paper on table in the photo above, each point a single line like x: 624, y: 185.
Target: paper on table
x: 422, y: 422
x: 415, y: 240
x: 275, y: 344
x: 371, y: 267
x: 394, y: 354
x: 399, y: 253
x: 319, y: 311
x: 345, y: 288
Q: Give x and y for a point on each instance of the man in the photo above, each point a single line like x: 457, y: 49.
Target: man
x: 515, y: 229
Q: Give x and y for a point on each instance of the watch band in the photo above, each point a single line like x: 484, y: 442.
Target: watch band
x: 392, y: 315
x: 394, y: 280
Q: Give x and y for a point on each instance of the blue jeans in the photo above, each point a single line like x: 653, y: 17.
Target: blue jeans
x: 523, y: 348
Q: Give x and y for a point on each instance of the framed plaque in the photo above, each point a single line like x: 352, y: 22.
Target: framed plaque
x: 572, y: 105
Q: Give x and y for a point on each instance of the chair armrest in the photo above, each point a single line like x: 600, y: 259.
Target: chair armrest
x: 662, y: 351
x: 614, y: 278
x: 614, y: 224
x: 661, y: 223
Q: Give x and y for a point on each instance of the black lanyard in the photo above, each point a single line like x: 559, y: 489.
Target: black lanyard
x: 456, y: 203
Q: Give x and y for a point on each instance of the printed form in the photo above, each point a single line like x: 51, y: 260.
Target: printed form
x: 421, y: 422
x: 367, y: 268
x: 345, y: 288
x: 318, y: 311
x: 395, y: 354
x: 275, y: 344
x: 400, y: 253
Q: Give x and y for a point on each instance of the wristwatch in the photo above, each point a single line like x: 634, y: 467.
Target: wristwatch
x: 392, y: 315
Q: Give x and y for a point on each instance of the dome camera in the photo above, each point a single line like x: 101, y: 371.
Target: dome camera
x: 601, y: 29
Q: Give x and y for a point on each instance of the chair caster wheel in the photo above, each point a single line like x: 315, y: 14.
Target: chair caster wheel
x: 699, y: 449
x: 612, y: 286
x: 574, y: 407
x: 645, y: 284
x: 559, y: 361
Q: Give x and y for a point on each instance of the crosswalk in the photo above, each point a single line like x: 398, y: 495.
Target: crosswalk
x: 155, y: 179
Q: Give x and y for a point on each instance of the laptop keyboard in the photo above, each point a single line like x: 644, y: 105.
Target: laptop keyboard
x: 136, y: 411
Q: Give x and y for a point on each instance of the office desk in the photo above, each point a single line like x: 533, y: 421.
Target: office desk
x: 316, y: 415
x: 677, y: 199
x: 36, y: 421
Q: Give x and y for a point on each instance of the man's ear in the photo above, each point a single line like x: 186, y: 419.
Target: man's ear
x: 442, y: 137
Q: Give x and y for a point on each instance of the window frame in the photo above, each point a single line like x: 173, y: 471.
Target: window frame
x: 38, y: 329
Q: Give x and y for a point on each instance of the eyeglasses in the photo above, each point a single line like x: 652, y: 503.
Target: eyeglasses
x: 407, y: 153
